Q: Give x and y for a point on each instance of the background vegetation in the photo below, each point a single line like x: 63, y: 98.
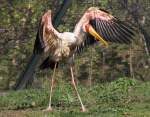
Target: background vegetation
x: 114, y: 81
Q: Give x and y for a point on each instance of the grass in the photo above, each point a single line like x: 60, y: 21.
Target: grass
x: 120, y: 98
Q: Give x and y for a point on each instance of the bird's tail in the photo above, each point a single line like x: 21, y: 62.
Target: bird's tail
x: 48, y: 63
x: 27, y: 75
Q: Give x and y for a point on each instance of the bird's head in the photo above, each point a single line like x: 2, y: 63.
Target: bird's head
x: 87, y: 27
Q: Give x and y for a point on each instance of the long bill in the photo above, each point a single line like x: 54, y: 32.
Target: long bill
x: 92, y: 31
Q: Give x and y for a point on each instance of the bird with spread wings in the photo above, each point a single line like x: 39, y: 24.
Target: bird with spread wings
x: 96, y: 25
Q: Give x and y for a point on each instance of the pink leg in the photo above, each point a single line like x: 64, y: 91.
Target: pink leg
x: 49, y: 108
x: 83, y: 109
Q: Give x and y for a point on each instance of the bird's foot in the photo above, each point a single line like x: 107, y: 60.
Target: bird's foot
x: 48, y: 109
x: 83, y: 109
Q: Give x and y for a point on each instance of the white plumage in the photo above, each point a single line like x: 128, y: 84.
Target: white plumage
x: 95, y: 25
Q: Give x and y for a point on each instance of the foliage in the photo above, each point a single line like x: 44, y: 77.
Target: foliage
x: 122, y: 97
x: 19, y: 21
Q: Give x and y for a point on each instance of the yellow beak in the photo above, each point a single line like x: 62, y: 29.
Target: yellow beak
x: 92, y: 31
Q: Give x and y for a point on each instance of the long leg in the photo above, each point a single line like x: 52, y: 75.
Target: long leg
x: 49, y: 108
x: 83, y: 109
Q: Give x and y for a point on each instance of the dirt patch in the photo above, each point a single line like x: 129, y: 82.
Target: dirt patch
x: 12, y: 113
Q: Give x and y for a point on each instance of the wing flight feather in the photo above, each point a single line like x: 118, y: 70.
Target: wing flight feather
x: 50, y: 35
x: 108, y: 27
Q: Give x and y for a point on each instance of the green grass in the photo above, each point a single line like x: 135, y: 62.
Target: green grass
x: 120, y: 98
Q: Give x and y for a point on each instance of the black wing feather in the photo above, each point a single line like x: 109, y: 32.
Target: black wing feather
x: 112, y: 30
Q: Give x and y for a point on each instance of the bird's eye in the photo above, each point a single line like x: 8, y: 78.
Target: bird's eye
x: 87, y: 26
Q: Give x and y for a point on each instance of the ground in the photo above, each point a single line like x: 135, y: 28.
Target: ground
x: 121, y: 98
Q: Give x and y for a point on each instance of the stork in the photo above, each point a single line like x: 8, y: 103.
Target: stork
x: 96, y: 25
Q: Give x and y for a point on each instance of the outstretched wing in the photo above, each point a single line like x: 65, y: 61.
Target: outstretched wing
x: 108, y: 27
x: 49, y: 34
x: 111, y: 28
